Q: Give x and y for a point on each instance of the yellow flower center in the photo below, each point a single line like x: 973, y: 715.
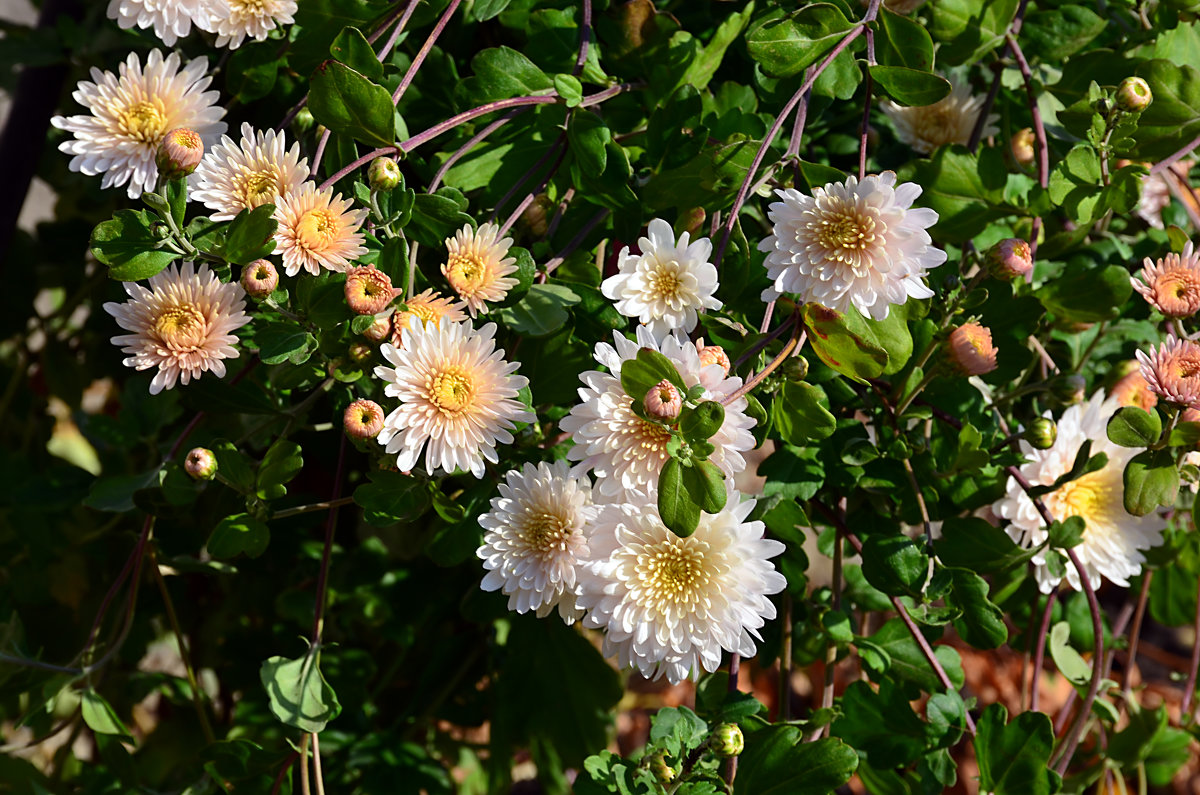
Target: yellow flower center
x: 257, y: 187
x: 181, y: 327
x: 844, y: 233
x: 424, y: 312
x: 452, y: 390
x: 544, y: 531
x: 673, y: 571
x: 466, y: 272
x: 317, y: 229
x: 653, y: 437
x: 1086, y: 497
x: 143, y: 121
x: 664, y: 281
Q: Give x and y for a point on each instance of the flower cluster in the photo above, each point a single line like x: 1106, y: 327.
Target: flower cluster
x: 233, y: 21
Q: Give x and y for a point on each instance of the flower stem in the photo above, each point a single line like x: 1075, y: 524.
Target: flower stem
x: 419, y: 58
x: 184, y: 653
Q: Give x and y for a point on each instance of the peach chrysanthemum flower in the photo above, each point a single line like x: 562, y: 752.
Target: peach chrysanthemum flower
x: 171, y: 19
x: 317, y: 229
x: 362, y: 419
x: 1172, y: 285
x: 183, y: 325
x: 713, y: 354
x: 236, y: 20
x: 1134, y: 390
x: 425, y: 307
x: 477, y: 267
x: 368, y: 290
x: 1173, y: 371
x: 950, y: 120
x: 970, y: 349
x: 257, y: 171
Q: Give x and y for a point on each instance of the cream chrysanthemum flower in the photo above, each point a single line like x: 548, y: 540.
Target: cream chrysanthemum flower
x: 536, y: 532
x: 667, y: 283
x: 1113, y: 539
x: 183, y: 325
x: 857, y: 244
x: 456, y: 392
x: 132, y: 112
x: 627, y: 452
x: 477, y: 266
x: 1172, y: 284
x: 235, y: 177
x: 425, y: 307
x: 671, y: 605
x: 235, y: 20
x: 950, y: 120
x: 317, y: 229
x: 1173, y: 371
x: 171, y: 19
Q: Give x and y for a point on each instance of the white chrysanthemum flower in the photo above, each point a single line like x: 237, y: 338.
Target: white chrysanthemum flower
x: 317, y: 229
x: 857, y: 244
x: 171, y: 19
x: 950, y: 120
x: 235, y: 177
x: 235, y: 20
x: 627, y: 452
x: 667, y: 283
x: 536, y: 532
x: 1113, y: 538
x: 131, y: 114
x: 478, y: 267
x: 183, y: 325
x: 456, y: 393
x: 671, y: 605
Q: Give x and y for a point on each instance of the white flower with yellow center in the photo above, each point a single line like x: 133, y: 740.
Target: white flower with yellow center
x: 670, y: 605
x: 171, y: 19
x: 536, y: 532
x: 667, y: 284
x: 235, y: 177
x: 627, y: 452
x: 131, y: 113
x: 235, y: 20
x: 477, y: 266
x: 1113, y: 538
x: 856, y: 244
x: 456, y: 392
x: 950, y: 120
x: 317, y: 230
x: 183, y: 325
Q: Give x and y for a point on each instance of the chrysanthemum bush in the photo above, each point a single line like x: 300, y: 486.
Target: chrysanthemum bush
x: 617, y: 397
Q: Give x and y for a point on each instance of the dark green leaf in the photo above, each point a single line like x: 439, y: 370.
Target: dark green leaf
x: 776, y: 762
x: 1013, y: 756
x: 784, y: 45
x: 282, y: 462
x: 298, y: 693
x: 348, y: 103
x: 904, y: 42
x: 251, y: 235
x: 908, y: 86
x: 127, y: 244
x: 982, y: 623
x: 589, y: 137
x: 352, y: 48
x: 237, y: 535
x: 640, y: 375
x: 894, y: 565
x: 799, y: 414
x: 100, y: 716
x: 502, y: 72
x: 1087, y: 296
x: 541, y: 312
x: 1067, y: 533
x: 678, y: 511
x: 569, y: 88
x: 967, y: 29
x: 705, y: 485
x: 881, y: 724
x: 391, y: 497
x: 702, y: 422
x: 1133, y: 426
x: 841, y: 340
x: 281, y: 342
x: 1151, y: 480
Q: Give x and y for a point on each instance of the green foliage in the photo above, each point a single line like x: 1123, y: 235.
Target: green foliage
x: 299, y: 695
x: 1013, y: 756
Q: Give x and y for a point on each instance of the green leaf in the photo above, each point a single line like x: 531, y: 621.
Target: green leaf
x: 1173, y: 596
x: 569, y: 88
x: 702, y: 68
x: 541, y: 312
x: 115, y: 492
x: 437, y: 216
x: 240, y: 534
x: 647, y: 370
x: 251, y: 235
x: 702, y: 423
x: 1067, y: 533
x: 880, y: 724
x: 678, y: 729
x: 352, y: 48
x: 961, y: 187
x: 281, y: 463
x: 799, y: 414
x: 280, y: 342
x: 348, y: 103
x: 502, y: 72
x: 908, y: 663
x: 785, y: 45
x: 127, y: 244
x: 982, y: 623
x: 1087, y: 296
x: 1173, y: 119
x: 589, y: 137
x: 971, y: 542
x: 1070, y: 662
x: 390, y: 497
x: 100, y: 716
x: 233, y: 465
x: 483, y: 10
x: 705, y: 485
x: 904, y: 42
x: 253, y: 71
x: 777, y: 762
x: 894, y: 565
x: 678, y: 511
x: 841, y: 340
x: 298, y: 693
x: 911, y: 87
x: 1061, y: 32
x: 1151, y: 480
x: 1013, y: 757
x: 1133, y: 426
x: 968, y: 29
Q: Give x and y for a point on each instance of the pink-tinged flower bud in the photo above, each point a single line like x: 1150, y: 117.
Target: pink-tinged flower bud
x: 692, y: 221
x: 971, y: 350
x: 259, y: 279
x: 1022, y: 147
x: 1042, y: 433
x: 1134, y: 95
x: 384, y: 174
x: 663, y: 402
x: 368, y: 290
x: 359, y: 352
x: 179, y: 153
x: 363, y: 419
x: 1190, y: 415
x: 380, y: 330
x: 726, y: 740
x: 713, y: 354
x: 1010, y: 259
x: 201, y: 464
x: 1173, y: 371
x: 1134, y: 390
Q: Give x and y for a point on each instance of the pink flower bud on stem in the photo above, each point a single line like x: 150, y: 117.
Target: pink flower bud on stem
x: 662, y: 401
x: 179, y: 153
x: 970, y: 349
x: 259, y: 279
x: 200, y: 463
x: 368, y: 290
x: 363, y: 419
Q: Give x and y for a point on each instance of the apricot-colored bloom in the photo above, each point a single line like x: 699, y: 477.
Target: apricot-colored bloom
x: 1173, y: 371
x: 477, y: 267
x: 970, y: 349
x: 662, y: 401
x: 363, y: 419
x: 1172, y: 285
x: 713, y: 354
x: 425, y: 307
x: 1134, y: 390
x: 318, y: 229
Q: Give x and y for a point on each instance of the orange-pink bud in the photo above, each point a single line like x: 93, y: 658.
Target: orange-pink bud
x: 971, y: 351
x: 663, y: 402
x: 363, y: 419
x: 1010, y: 259
x: 179, y: 153
x: 368, y: 290
x: 259, y: 279
x: 713, y: 354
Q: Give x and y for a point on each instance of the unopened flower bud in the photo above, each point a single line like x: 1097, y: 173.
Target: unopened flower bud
x: 1011, y: 258
x: 201, y: 464
x: 663, y: 402
x: 970, y: 349
x: 303, y: 122
x: 384, y: 174
x: 359, y: 352
x: 1042, y: 433
x: 1134, y: 95
x: 534, y: 219
x: 713, y: 354
x: 179, y: 153
x: 795, y: 368
x: 1022, y: 146
x: 692, y: 220
x: 659, y: 768
x: 380, y: 330
x: 1069, y: 388
x: 368, y: 290
x: 259, y: 279
x: 726, y: 740
x: 363, y: 419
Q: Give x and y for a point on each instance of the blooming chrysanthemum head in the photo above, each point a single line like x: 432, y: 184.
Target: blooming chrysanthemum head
x: 237, y: 20
x: 1173, y: 371
x: 259, y: 279
x: 171, y: 19
x: 477, y: 266
x: 426, y: 307
x: 536, y: 533
x: 130, y: 114
x: 257, y: 171
x: 317, y: 230
x: 667, y: 283
x: 362, y: 419
x: 950, y: 120
x: 970, y: 349
x: 179, y: 153
x: 1134, y: 390
x: 368, y: 290
x: 856, y: 244
x: 1172, y: 284
x: 456, y: 392
x: 183, y: 325
x: 669, y: 605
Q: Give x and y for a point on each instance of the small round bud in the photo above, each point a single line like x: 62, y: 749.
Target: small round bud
x: 259, y: 279
x: 384, y: 174
x: 1042, y: 433
x: 380, y: 330
x: 970, y: 349
x: 1134, y: 95
x: 303, y: 122
x: 1022, y: 147
x: 691, y: 221
x: 726, y: 740
x: 713, y: 354
x: 795, y: 368
x: 1069, y: 388
x: 662, y: 401
x: 363, y: 419
x: 359, y: 352
x: 1011, y: 258
x: 179, y: 153
x: 535, y: 218
x: 368, y: 290
x: 200, y: 463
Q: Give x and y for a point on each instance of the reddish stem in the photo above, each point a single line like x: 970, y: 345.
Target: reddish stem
x: 424, y: 51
